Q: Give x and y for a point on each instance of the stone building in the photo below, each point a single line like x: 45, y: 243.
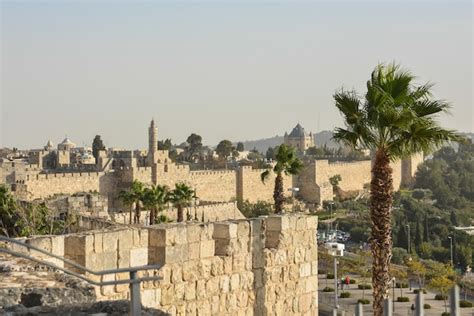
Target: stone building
x: 299, y: 138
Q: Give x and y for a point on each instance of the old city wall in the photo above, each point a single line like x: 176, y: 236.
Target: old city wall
x: 250, y: 186
x: 47, y: 185
x: 264, y: 266
x: 213, y: 213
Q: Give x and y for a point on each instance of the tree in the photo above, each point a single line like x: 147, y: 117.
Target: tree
x: 181, y: 197
x: 97, y: 145
x: 155, y: 198
x: 315, y: 151
x: 442, y: 284
x: 240, y: 146
x: 453, y: 218
x: 286, y: 163
x: 195, y: 145
x: 224, y: 149
x: 271, y: 153
x: 132, y: 198
x: 395, y: 119
x: 400, y: 276
x: 334, y: 180
x: 418, y: 194
x: 363, y: 268
x: 417, y: 269
x: 425, y: 230
x: 165, y: 144
x: 418, y: 238
x: 402, y: 237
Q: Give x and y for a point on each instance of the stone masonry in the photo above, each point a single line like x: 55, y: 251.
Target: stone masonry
x: 262, y: 266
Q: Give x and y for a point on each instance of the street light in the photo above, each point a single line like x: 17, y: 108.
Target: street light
x: 451, y: 248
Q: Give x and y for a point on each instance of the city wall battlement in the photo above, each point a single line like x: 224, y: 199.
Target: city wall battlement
x: 261, y: 266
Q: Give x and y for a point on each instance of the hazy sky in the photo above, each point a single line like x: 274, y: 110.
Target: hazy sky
x: 235, y: 70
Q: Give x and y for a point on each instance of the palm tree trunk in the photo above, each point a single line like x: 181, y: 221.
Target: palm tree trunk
x: 131, y: 212
x: 137, y: 213
x: 381, y: 188
x: 278, y: 194
x: 180, y: 213
x: 152, y: 215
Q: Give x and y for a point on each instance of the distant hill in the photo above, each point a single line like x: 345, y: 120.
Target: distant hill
x: 262, y: 145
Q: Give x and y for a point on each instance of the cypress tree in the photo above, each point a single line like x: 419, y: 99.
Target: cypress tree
x: 418, y: 239
x: 425, y: 230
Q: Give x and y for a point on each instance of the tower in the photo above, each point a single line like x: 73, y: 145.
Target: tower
x: 152, y: 142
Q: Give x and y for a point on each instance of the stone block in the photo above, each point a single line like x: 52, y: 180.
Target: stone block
x: 43, y: 243
x: 108, y: 289
x: 179, y: 291
x: 123, y: 259
x: 193, y: 233
x: 217, y: 266
x: 207, y: 231
x: 200, y: 289
x: 227, y: 262
x: 225, y: 230
x: 98, y: 242
x: 207, y: 248
x: 272, y: 239
x: 312, y: 284
x: 120, y: 288
x: 110, y: 240
x: 256, y: 226
x: 224, y: 284
x: 138, y: 257
x: 301, y: 223
x: 305, y: 269
x: 190, y: 271
x: 304, y: 303
x: 191, y: 309
x: 277, y: 223
x: 125, y: 239
x: 314, y: 268
x: 215, y: 304
x: 57, y: 245
x: 176, y: 273
x: 243, y: 229
x: 312, y: 223
x: 234, y: 282
x: 212, y: 286
x: 167, y: 294
x: 239, y: 263
x: 148, y: 298
x: 190, y: 291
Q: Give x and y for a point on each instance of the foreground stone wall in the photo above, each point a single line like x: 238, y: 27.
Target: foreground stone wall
x: 263, y: 266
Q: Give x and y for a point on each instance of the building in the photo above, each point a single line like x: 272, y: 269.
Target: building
x: 299, y: 138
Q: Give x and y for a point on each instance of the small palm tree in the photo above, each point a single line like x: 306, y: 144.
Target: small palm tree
x: 133, y: 197
x: 286, y: 163
x: 395, y: 119
x: 155, y: 198
x: 181, y: 197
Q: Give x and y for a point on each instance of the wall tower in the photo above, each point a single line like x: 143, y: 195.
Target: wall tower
x: 152, y: 143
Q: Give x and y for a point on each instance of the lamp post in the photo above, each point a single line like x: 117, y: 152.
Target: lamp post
x: 393, y: 293
x: 451, y: 249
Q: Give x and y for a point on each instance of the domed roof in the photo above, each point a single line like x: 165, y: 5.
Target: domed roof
x: 67, y: 141
x: 298, y: 131
x: 49, y: 144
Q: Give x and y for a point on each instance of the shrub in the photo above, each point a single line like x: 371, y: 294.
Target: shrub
x: 416, y: 291
x: 328, y: 289
x: 352, y: 281
x: 445, y: 314
x: 363, y: 301
x: 364, y: 287
x: 465, y: 304
x: 322, y: 271
x: 402, y: 299
x: 330, y: 276
x: 345, y: 295
x: 440, y: 297
x: 426, y: 306
x: 401, y: 285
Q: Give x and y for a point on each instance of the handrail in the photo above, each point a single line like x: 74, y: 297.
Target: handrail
x: 134, y: 281
x: 76, y: 265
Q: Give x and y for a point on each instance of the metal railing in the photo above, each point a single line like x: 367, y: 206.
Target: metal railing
x: 134, y: 280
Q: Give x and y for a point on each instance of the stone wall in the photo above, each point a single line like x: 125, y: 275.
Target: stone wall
x: 211, y: 213
x: 263, y: 266
x: 250, y: 186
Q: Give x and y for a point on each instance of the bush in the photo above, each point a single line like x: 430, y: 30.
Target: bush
x: 322, y: 271
x: 445, y: 314
x: 401, y: 285
x: 330, y: 276
x: 364, y: 287
x: 440, y: 297
x: 328, y: 289
x: 352, y: 281
x: 426, y: 306
x: 345, y: 295
x: 402, y: 299
x: 363, y: 301
x: 465, y: 304
x: 416, y: 291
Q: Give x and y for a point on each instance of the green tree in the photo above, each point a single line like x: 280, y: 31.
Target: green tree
x: 442, y: 284
x: 195, y: 145
x: 453, y: 218
x: 132, y: 198
x: 286, y: 163
x: 155, y: 198
x: 240, y: 146
x: 181, y: 197
x: 401, y: 276
x: 425, y: 230
x: 363, y: 268
x: 97, y: 145
x: 271, y: 153
x: 417, y: 269
x: 224, y: 149
x: 418, y: 194
x: 418, y: 239
x: 396, y: 119
x: 165, y: 144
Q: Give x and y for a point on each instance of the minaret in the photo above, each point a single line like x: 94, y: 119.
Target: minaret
x: 152, y: 142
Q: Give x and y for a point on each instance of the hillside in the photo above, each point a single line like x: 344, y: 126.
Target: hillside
x: 262, y: 145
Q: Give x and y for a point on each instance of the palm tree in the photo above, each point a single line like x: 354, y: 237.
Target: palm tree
x: 181, y: 197
x: 155, y: 198
x: 286, y: 163
x: 396, y: 119
x: 134, y: 196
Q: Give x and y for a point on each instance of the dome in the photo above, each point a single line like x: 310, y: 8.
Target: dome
x: 298, y: 131
x: 67, y: 141
x: 49, y: 144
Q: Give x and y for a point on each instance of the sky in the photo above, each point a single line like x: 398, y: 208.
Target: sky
x: 237, y: 70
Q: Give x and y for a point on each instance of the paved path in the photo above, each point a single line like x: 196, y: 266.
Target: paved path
x: 326, y: 301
